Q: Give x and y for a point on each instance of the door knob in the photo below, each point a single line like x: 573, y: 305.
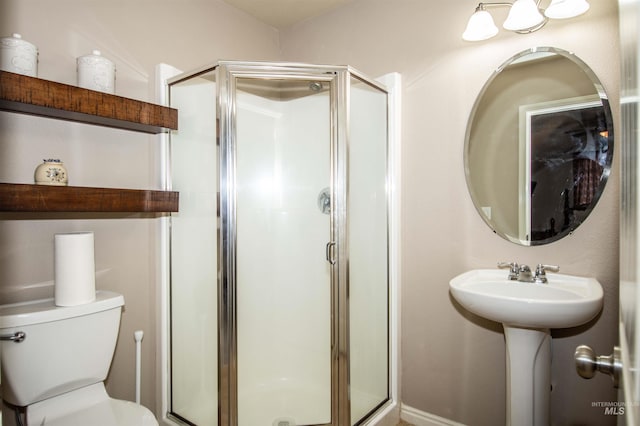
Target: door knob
x: 587, y: 363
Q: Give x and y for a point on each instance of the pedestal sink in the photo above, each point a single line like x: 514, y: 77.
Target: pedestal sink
x: 527, y: 312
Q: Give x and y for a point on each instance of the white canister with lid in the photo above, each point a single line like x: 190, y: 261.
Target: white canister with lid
x: 18, y: 56
x: 96, y: 72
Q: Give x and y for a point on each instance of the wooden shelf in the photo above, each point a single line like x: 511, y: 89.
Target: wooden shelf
x: 30, y: 95
x: 44, y: 198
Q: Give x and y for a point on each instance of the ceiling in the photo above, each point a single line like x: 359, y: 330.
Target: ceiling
x: 284, y: 13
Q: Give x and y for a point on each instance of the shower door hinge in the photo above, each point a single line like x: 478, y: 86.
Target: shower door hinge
x: 330, y: 252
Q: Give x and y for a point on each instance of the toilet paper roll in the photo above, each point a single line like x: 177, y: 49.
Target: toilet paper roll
x: 74, y: 269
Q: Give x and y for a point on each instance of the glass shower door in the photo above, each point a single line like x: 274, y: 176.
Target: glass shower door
x: 282, y: 160
x: 368, y: 233
x: 194, y: 252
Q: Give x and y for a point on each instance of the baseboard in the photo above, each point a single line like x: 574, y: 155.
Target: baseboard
x: 420, y: 418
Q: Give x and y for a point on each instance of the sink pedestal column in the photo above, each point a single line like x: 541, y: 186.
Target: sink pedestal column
x: 528, y: 375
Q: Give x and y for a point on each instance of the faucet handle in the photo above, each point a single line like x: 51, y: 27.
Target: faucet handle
x: 541, y: 276
x: 514, y: 269
x: 551, y: 268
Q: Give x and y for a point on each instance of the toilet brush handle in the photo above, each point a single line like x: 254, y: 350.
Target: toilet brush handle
x: 138, y: 338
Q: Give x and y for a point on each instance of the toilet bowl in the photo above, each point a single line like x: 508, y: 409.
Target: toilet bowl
x: 54, y: 374
x: 88, y: 406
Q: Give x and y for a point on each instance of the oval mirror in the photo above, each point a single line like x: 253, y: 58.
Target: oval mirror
x: 538, y: 146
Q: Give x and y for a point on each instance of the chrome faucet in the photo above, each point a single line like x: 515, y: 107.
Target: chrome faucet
x: 523, y: 273
x: 514, y: 269
x: 541, y: 276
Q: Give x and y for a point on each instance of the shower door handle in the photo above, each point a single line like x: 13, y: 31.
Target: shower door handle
x: 330, y: 252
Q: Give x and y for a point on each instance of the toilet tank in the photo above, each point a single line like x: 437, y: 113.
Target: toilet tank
x: 65, y: 348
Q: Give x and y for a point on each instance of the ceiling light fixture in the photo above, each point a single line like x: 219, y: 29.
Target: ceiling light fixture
x: 525, y: 16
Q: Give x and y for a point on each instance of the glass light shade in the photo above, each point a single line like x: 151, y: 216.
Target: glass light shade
x: 480, y: 27
x: 563, y: 9
x: 524, y: 14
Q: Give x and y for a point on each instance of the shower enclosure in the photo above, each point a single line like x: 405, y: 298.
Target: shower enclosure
x: 279, y: 290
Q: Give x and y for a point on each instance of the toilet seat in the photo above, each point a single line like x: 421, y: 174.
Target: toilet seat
x: 113, y: 412
x: 90, y: 405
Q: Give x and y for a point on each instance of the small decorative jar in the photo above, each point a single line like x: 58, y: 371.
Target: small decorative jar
x: 18, y: 56
x: 96, y: 72
x: 51, y: 172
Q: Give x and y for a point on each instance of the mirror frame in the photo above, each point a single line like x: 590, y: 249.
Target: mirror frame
x: 600, y: 93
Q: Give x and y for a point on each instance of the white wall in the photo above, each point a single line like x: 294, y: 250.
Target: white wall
x: 453, y: 363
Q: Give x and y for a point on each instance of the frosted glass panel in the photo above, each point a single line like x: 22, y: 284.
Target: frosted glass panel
x: 283, y: 279
x: 368, y: 234
x: 194, y: 363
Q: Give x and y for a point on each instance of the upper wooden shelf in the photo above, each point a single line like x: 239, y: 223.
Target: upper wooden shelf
x: 30, y: 95
x: 43, y: 198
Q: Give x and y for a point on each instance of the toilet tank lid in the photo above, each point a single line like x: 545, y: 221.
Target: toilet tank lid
x: 45, y: 310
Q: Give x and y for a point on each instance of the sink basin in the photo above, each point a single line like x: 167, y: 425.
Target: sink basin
x: 527, y: 312
x: 565, y: 301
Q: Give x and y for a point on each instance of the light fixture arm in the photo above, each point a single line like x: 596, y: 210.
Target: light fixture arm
x: 482, y: 5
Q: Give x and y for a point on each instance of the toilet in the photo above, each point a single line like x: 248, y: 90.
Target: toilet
x: 54, y: 375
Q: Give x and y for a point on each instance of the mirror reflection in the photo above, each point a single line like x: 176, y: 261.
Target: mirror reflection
x: 539, y: 146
